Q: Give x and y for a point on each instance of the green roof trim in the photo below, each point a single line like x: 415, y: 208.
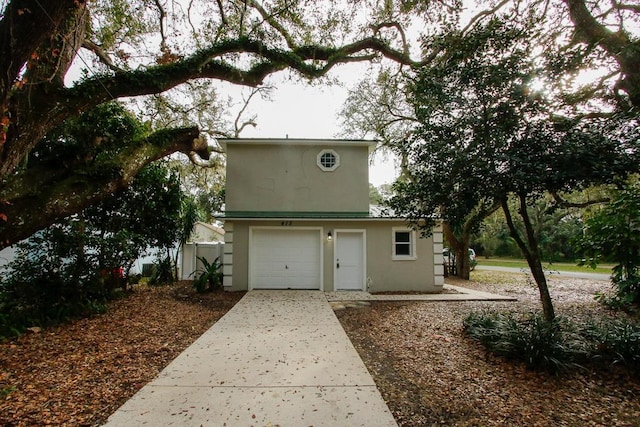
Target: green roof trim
x: 319, y: 215
x: 374, y: 212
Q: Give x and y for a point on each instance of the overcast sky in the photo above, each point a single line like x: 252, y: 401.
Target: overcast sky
x: 299, y: 110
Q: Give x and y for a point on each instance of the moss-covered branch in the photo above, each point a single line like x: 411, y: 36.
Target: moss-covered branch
x: 310, y: 61
x: 40, y: 39
x: 43, y: 106
x: 37, y: 197
x: 25, y: 26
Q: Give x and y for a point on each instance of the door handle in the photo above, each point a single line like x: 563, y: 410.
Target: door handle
x: 338, y: 263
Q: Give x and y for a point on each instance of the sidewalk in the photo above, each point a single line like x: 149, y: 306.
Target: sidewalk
x: 451, y: 293
x: 277, y: 358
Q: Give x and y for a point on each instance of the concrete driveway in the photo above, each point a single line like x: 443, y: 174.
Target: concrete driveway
x: 277, y: 358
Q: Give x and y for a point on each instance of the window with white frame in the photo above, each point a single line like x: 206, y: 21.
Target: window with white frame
x: 404, y: 244
x: 328, y: 160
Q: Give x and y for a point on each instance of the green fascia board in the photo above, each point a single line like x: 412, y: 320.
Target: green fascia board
x: 284, y: 215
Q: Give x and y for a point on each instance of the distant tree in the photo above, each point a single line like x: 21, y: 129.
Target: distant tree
x: 487, y: 137
x: 205, y: 184
x: 374, y: 195
x: 378, y: 108
x: 613, y: 234
x: 492, y: 239
x: 554, y: 227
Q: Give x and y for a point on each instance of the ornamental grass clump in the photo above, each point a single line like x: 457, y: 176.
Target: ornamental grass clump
x: 618, y: 342
x: 209, y: 277
x: 551, y: 346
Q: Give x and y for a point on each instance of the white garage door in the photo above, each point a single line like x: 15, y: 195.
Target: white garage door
x: 285, y: 259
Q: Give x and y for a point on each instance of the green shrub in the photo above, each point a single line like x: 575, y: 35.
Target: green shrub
x: 626, y: 296
x: 49, y: 282
x: 612, y: 234
x: 134, y: 279
x: 209, y: 278
x: 559, y: 345
x: 163, y: 273
x: 617, y: 342
x: 552, y: 346
x: 46, y: 298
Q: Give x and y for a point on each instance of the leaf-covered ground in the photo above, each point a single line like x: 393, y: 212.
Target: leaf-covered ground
x: 430, y: 374
x: 79, y: 373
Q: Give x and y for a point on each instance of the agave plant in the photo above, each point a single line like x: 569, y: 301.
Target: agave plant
x: 209, y: 277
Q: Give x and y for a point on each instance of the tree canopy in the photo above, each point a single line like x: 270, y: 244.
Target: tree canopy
x: 613, y: 234
x: 497, y: 119
x: 136, y: 49
x: 612, y: 28
x: 578, y: 77
x: 64, y: 58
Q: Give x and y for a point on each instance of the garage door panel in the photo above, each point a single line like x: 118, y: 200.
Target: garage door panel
x: 285, y: 259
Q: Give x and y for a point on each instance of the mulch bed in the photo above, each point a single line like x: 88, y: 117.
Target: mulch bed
x: 431, y: 374
x: 426, y: 369
x: 81, y: 372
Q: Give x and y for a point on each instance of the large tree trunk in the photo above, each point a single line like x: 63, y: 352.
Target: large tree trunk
x: 460, y: 248
x: 32, y: 107
x: 27, y: 25
x: 460, y: 241
x: 531, y: 252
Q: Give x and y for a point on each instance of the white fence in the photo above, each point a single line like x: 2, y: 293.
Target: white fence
x: 192, y: 251
x: 189, y: 262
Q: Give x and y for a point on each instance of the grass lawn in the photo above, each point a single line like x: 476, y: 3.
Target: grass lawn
x: 556, y: 266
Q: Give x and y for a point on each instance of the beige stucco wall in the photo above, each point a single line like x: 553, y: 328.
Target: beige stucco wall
x: 284, y: 177
x: 382, y: 272
x: 205, y: 233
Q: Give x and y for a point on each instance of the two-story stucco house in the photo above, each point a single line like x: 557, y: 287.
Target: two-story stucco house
x: 297, y: 216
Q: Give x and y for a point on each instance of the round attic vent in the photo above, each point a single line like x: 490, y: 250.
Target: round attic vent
x: 328, y: 160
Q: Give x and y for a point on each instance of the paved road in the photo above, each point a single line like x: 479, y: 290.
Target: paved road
x: 580, y: 275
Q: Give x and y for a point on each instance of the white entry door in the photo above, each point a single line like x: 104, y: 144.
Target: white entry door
x: 349, y: 260
x: 285, y: 258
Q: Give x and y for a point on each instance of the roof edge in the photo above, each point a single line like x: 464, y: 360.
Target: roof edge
x: 369, y: 143
x: 372, y: 213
